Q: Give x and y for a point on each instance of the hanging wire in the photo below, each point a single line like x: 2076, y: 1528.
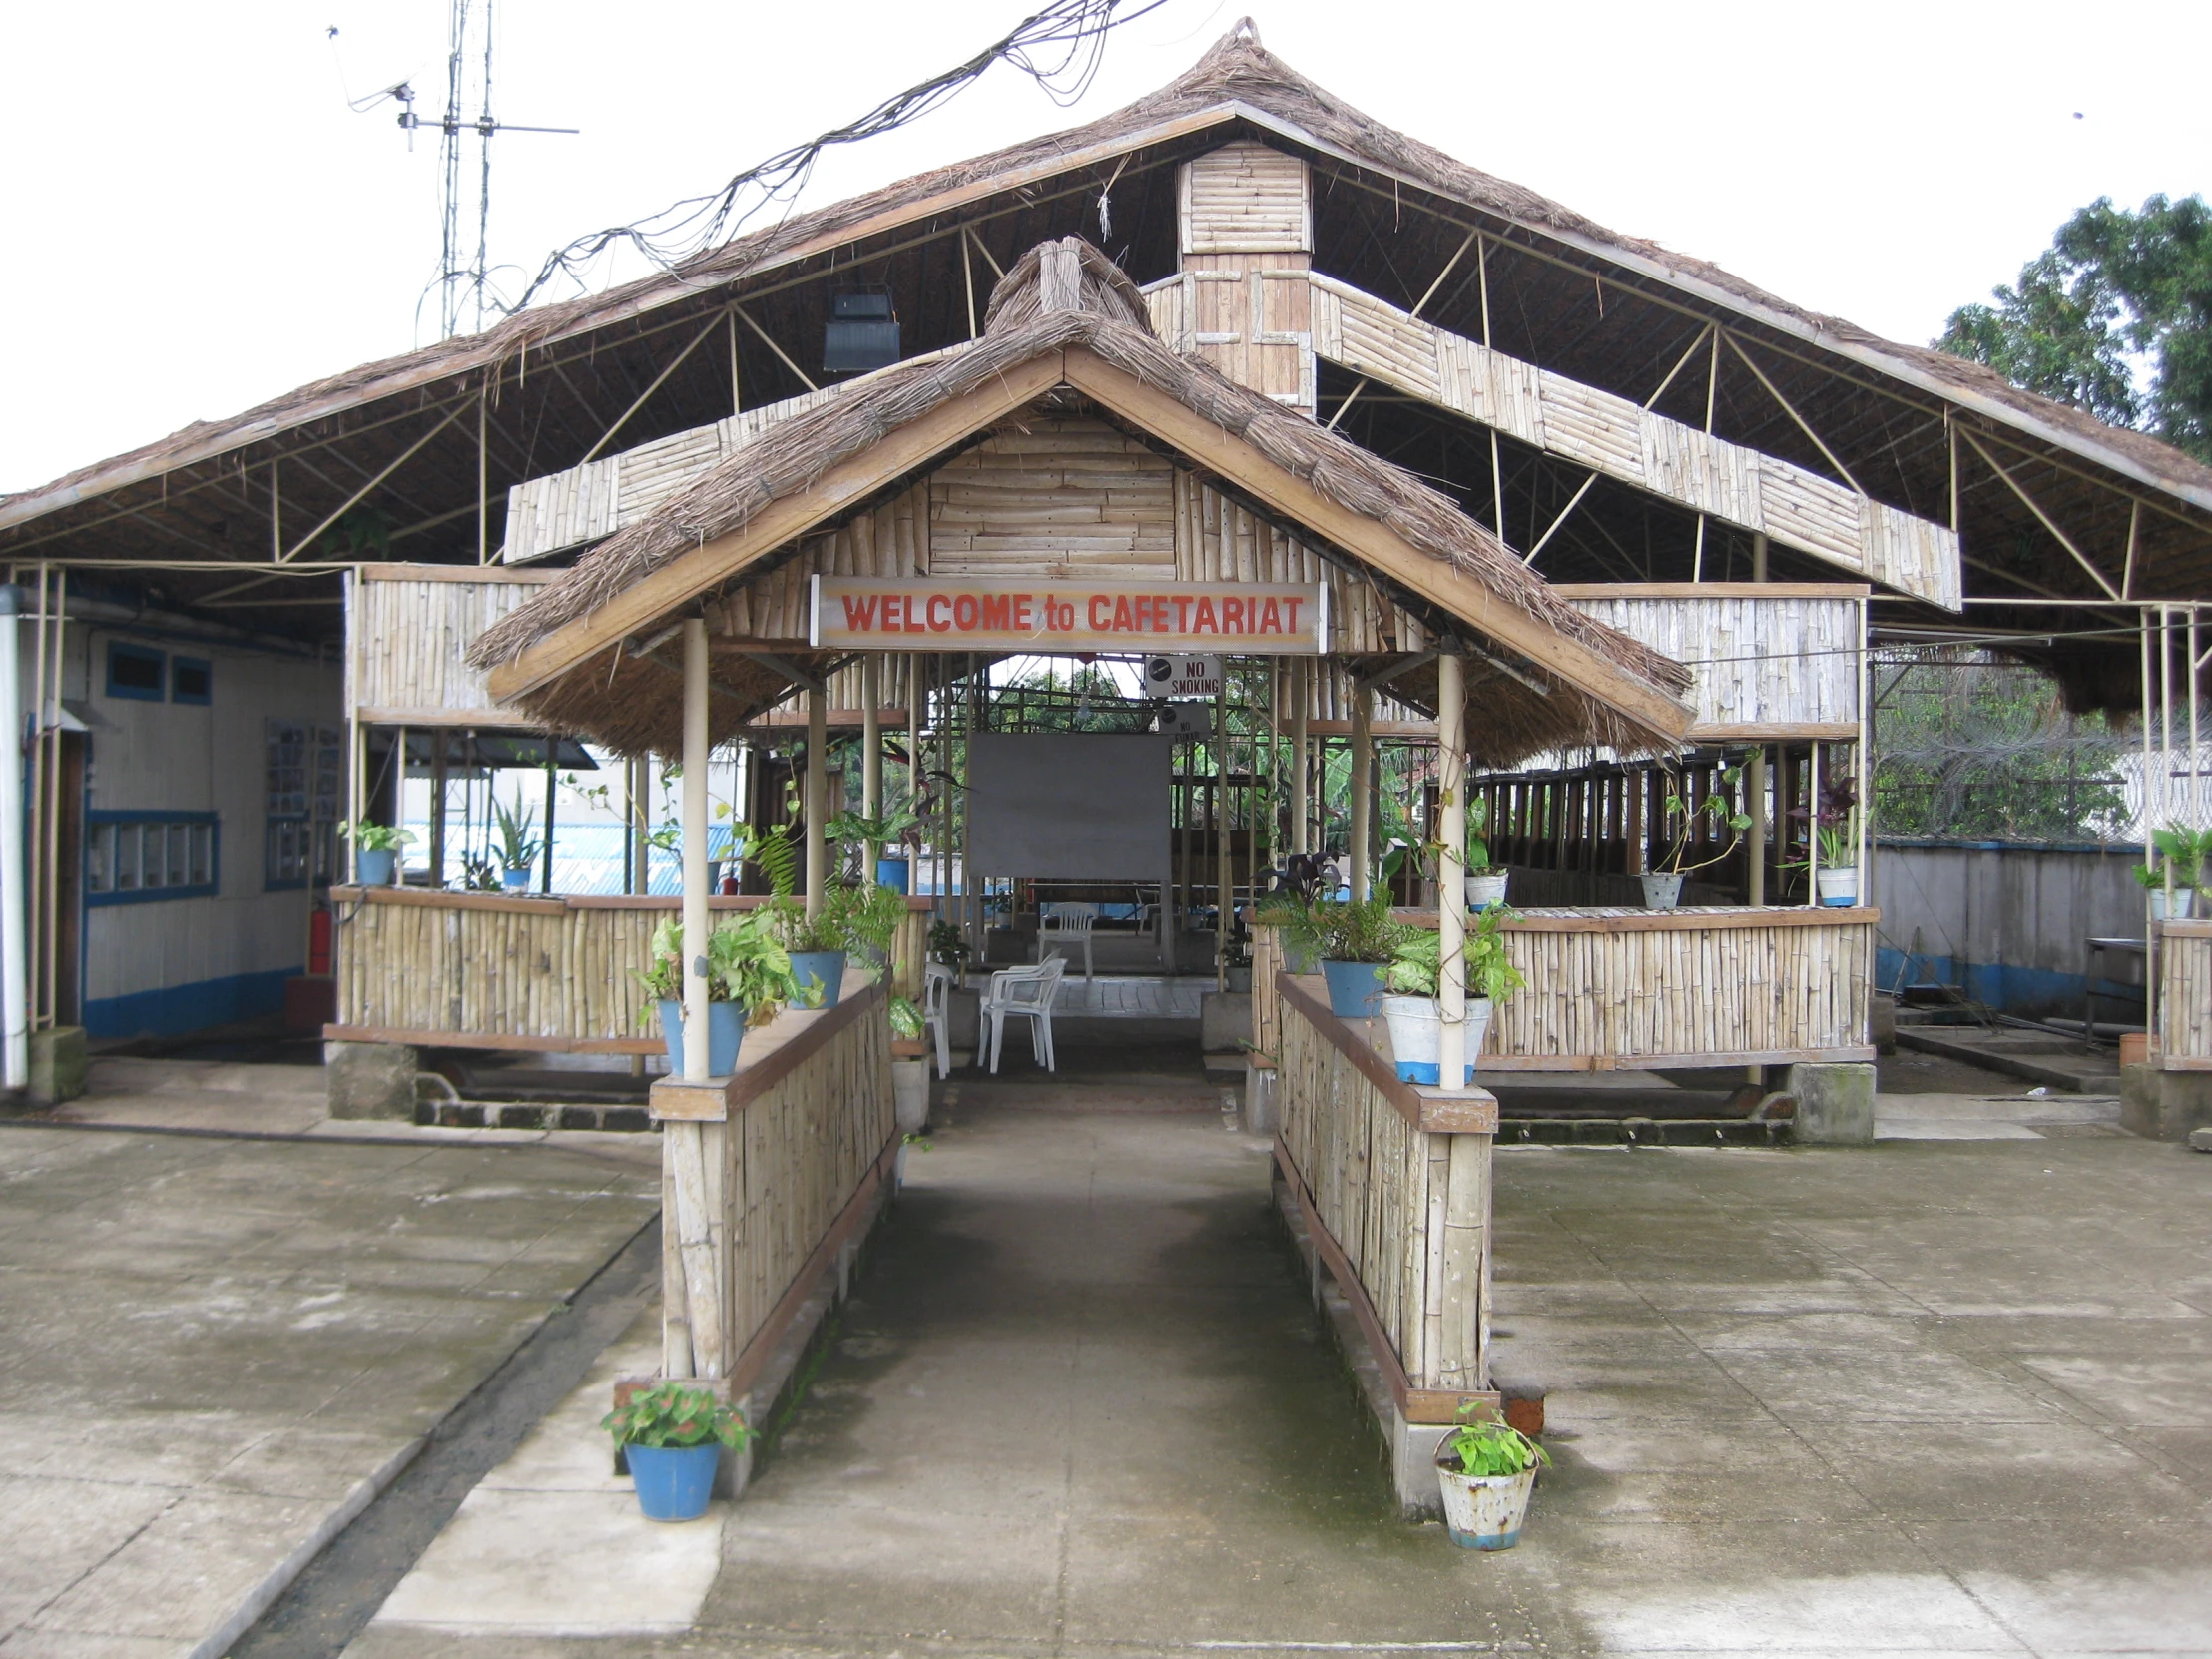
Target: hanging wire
x: 1060, y: 48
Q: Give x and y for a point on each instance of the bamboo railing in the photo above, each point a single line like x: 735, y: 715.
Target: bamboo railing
x: 489, y: 970
x: 1394, y: 1182
x: 2185, y: 995
x: 765, y: 1175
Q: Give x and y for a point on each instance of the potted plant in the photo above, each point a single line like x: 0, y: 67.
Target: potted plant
x: 1292, y: 891
x: 2182, y: 853
x: 897, y: 828
x: 1236, y: 965
x: 1836, y: 881
x: 375, y: 849
x: 849, y: 920
x: 518, y: 850
x: 1410, y: 1007
x: 1487, y: 1471
x: 1354, y: 945
x: 949, y: 948
x: 1663, y: 887
x: 1485, y: 882
x: 909, y: 1078
x: 749, y: 981
x: 672, y: 1437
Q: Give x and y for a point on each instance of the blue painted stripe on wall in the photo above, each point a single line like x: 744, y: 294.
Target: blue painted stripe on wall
x: 2013, y: 990
x: 174, y: 1010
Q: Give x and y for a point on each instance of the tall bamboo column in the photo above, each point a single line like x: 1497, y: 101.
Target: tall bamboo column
x: 817, y: 797
x: 871, y: 760
x: 695, y: 849
x: 1301, y: 698
x: 1363, y: 786
x: 1452, y: 909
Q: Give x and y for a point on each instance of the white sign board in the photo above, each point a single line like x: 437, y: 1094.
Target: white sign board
x: 1182, y: 675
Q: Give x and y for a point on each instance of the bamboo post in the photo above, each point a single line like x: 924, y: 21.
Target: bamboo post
x: 550, y: 750
x: 694, y: 858
x: 1363, y: 786
x: 437, y: 813
x: 1452, y: 909
x: 1302, y: 697
x: 872, y: 757
x: 816, y: 796
x: 1222, y: 887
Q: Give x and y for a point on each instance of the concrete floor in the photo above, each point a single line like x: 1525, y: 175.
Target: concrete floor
x: 1930, y: 1397
x: 214, y: 1351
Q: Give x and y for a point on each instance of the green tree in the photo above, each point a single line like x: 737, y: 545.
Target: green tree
x: 2117, y: 297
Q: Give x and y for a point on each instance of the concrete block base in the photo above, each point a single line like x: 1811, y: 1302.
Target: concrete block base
x: 371, y: 1080
x: 2200, y: 1140
x: 1263, y: 1110
x: 1223, y: 1021
x: 2165, y: 1105
x: 1835, y: 1103
x: 57, y: 1065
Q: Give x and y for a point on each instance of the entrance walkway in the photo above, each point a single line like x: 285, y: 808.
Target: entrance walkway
x: 1926, y: 1397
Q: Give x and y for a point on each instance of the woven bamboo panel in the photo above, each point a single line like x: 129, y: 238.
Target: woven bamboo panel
x: 1245, y: 199
x: 540, y: 970
x: 1615, y: 437
x: 1759, y: 661
x: 1267, y: 1005
x: 1413, y: 1234
x: 1052, y: 498
x: 2185, y: 993
x: 1250, y: 317
x: 408, y: 636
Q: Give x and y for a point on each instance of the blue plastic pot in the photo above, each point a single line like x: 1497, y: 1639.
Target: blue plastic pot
x: 376, y: 866
x: 1355, y: 989
x: 893, y: 873
x: 724, y: 1031
x: 515, y: 880
x: 823, y: 967
x: 674, y: 1483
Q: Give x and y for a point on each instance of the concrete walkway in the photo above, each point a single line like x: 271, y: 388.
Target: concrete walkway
x: 214, y: 1351
x: 1928, y: 1398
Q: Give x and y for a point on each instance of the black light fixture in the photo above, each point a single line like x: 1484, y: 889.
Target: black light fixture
x: 862, y: 332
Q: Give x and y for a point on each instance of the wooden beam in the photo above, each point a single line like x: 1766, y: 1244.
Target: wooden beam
x: 651, y: 600
x: 1374, y: 543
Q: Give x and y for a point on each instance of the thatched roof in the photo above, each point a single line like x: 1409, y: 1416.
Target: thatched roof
x: 1064, y: 297
x: 1236, y: 79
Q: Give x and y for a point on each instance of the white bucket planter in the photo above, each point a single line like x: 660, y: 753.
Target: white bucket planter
x: 1662, y: 893
x: 1839, y: 888
x: 1484, y: 890
x: 1485, y: 1512
x: 2181, y: 908
x: 1417, y: 1036
x: 910, y: 1095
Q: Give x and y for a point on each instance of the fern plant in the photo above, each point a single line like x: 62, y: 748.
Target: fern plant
x: 1326, y: 930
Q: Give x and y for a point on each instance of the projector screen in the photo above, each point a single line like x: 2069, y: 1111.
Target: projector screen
x: 1068, y: 805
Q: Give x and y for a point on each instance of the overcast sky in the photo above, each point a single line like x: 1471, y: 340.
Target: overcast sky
x: 196, y: 222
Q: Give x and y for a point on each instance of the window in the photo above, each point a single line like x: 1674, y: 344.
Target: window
x: 134, y: 858
x: 136, y: 671
x: 190, y: 680
x: 304, y: 772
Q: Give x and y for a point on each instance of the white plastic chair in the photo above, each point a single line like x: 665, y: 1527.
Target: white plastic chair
x: 1068, y: 924
x: 1023, y: 993
x: 937, y: 1012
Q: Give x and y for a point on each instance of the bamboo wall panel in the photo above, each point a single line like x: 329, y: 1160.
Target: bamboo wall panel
x: 2185, y: 993
x: 1248, y: 315
x: 542, y: 971
x: 1050, y: 497
x: 406, y: 637
x: 1764, y: 662
x: 1615, y: 437
x: 1408, y: 1206
x: 1244, y: 197
x: 750, y: 1198
x: 1267, y: 1016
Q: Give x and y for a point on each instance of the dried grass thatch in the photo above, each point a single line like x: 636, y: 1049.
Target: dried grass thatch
x: 1236, y: 71
x: 1059, y: 296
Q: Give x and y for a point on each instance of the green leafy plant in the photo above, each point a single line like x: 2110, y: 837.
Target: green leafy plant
x: 1718, y: 807
x: 2185, y: 851
x: 2150, y: 877
x: 477, y: 876
x: 367, y: 836
x: 1417, y: 966
x: 906, y: 1022
x: 746, y: 963
x: 896, y: 826
x: 1329, y: 930
x: 518, y: 849
x: 851, y: 918
x: 1487, y: 1447
x: 1478, y: 847
x: 672, y: 1415
x: 776, y: 856
x: 948, y: 947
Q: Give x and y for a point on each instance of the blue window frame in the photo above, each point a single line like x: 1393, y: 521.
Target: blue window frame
x: 137, y: 671
x: 142, y: 858
x: 190, y: 680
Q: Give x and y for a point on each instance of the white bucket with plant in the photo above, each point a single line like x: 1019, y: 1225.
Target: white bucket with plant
x: 1415, y: 1016
x: 909, y: 1077
x: 1685, y: 815
x: 2176, y: 873
x: 1484, y: 881
x: 1836, y: 880
x: 1486, y: 1471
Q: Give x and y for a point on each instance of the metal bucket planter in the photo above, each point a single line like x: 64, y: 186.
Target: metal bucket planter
x: 1485, y: 1512
x: 1662, y: 893
x: 724, y: 1031
x: 674, y: 1483
x: 1839, y: 888
x: 910, y: 1095
x: 1484, y: 890
x: 2178, y: 905
x: 824, y: 967
x: 1416, y: 1033
x: 376, y: 865
x: 1236, y: 979
x: 1355, y: 988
